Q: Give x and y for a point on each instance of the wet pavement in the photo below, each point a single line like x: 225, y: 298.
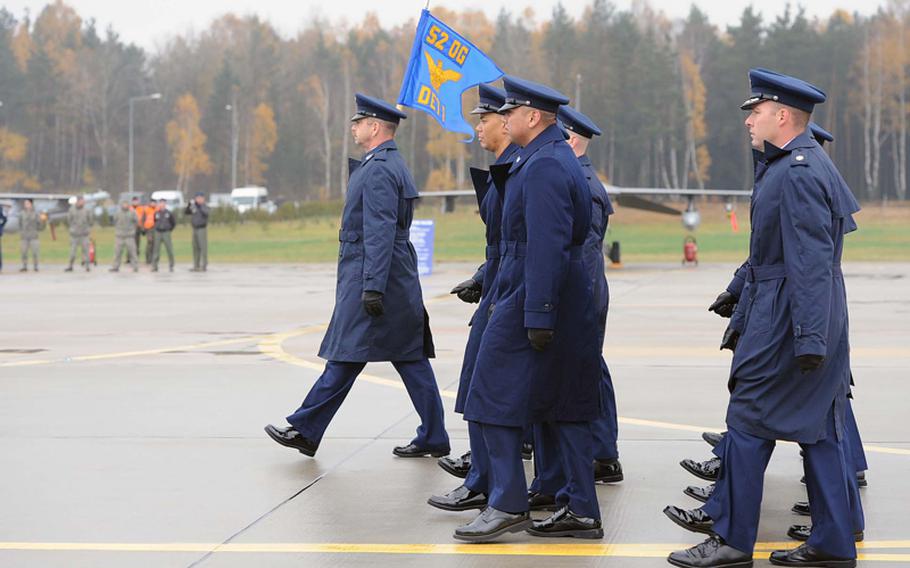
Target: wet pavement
x: 133, y: 404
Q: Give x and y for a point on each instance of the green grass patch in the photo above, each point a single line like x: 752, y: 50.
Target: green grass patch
x: 884, y: 235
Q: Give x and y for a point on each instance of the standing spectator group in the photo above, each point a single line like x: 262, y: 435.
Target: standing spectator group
x: 131, y: 221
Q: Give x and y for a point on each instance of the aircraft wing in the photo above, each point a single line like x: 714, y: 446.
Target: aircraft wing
x: 614, y: 190
x: 54, y: 205
x: 448, y: 193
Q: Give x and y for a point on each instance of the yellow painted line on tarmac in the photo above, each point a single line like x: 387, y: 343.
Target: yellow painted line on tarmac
x: 667, y: 425
x: 620, y: 550
x: 614, y: 351
x: 273, y: 347
x: 886, y: 450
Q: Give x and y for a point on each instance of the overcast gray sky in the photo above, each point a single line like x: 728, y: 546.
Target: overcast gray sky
x: 150, y: 22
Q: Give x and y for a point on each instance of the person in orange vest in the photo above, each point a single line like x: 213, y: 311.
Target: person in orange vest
x: 148, y: 228
x: 136, y: 208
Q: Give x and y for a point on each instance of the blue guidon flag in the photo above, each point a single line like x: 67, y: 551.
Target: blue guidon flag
x: 443, y: 65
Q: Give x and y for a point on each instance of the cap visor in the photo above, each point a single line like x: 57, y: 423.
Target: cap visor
x: 508, y: 106
x: 750, y: 103
x: 357, y: 117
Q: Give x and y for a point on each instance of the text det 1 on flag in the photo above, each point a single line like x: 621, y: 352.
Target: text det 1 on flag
x: 443, y: 65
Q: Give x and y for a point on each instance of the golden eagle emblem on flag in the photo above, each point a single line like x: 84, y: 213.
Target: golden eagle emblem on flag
x: 438, y: 75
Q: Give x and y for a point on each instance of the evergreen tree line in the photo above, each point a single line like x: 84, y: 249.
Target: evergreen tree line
x: 242, y: 104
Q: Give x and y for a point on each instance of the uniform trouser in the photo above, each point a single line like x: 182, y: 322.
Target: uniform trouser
x: 138, y: 242
x: 77, y: 242
x: 200, y: 248
x: 563, y: 457
x: 130, y: 245
x: 527, y: 435
x: 606, y: 429
x: 508, y: 489
x: 149, y: 245
x: 162, y: 237
x: 478, y: 478
x: 330, y: 390
x: 853, y: 444
x: 29, y: 245
x: 735, y: 505
x: 851, y: 435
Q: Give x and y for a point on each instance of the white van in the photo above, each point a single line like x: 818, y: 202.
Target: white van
x: 249, y: 198
x: 220, y: 200
x: 175, y: 200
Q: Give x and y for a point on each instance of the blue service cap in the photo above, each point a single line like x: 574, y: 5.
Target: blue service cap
x: 772, y: 86
x: 491, y: 99
x: 521, y: 92
x: 199, y: 194
x: 577, y: 122
x: 369, y: 107
x: 820, y: 134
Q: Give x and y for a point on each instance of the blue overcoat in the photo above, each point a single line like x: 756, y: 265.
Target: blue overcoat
x: 601, y: 209
x: 542, y: 283
x: 490, y: 204
x: 375, y: 254
x: 794, y: 302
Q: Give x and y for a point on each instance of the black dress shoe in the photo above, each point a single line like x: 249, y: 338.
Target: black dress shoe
x: 460, y: 499
x: 415, y: 451
x: 801, y: 508
x: 805, y: 555
x: 860, y: 479
x: 542, y: 502
x: 713, y: 438
x: 694, y: 520
x: 707, y: 470
x: 802, y: 532
x: 712, y: 553
x: 491, y: 524
x: 564, y: 523
x: 527, y: 452
x: 608, y: 471
x: 699, y: 493
x: 458, y: 467
x: 292, y: 439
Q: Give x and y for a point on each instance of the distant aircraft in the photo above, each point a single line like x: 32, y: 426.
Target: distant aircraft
x: 54, y: 205
x: 632, y: 197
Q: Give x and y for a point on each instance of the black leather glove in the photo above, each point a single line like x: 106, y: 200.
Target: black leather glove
x: 731, y: 338
x: 468, y: 291
x: 540, y: 338
x: 724, y: 305
x: 810, y: 362
x: 372, y: 303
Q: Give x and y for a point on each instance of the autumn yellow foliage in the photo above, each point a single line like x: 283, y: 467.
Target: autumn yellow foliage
x: 187, y: 142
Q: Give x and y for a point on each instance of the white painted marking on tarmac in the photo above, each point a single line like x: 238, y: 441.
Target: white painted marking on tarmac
x: 123, y: 354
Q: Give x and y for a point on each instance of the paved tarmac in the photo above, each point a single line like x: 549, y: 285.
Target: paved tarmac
x: 132, y: 407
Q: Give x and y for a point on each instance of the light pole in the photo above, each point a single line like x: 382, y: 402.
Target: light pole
x: 578, y: 92
x: 233, y: 108
x: 152, y: 97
